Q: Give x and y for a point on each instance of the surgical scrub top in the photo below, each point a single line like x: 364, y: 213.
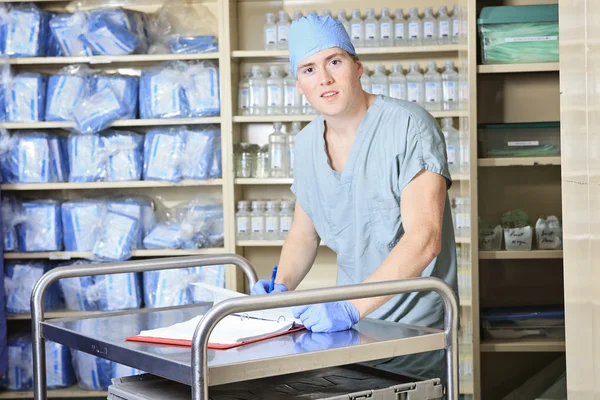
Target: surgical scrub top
x: 357, y: 212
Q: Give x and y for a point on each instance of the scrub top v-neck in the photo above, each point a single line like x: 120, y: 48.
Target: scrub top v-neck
x: 357, y: 212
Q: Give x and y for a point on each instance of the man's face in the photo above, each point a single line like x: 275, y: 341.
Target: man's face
x: 330, y: 80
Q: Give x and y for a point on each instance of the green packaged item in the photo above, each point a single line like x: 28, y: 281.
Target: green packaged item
x: 519, y: 34
x: 524, y: 139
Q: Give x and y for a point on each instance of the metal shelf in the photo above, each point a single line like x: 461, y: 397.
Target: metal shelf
x: 527, y: 346
x: 518, y: 161
x: 134, y: 58
x: 515, y: 255
x: 53, y: 314
x: 517, y: 68
x: 118, y: 123
x: 107, y: 185
x: 66, y: 255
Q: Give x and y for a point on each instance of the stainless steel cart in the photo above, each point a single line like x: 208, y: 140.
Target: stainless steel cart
x: 104, y: 335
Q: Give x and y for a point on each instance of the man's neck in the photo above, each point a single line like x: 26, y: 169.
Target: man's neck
x: 347, y: 123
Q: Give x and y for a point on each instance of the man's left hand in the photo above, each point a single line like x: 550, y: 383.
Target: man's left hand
x: 328, y: 317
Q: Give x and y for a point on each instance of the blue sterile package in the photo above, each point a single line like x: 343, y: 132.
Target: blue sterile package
x: 162, y: 154
x: 5, y: 77
x: 98, y: 111
x: 118, y: 291
x: 59, y: 158
x: 4, y: 22
x: 192, y: 44
x: 20, y: 362
x: 201, y: 88
x: 41, y: 229
x: 161, y: 93
x: 66, y: 89
x: 26, y: 97
x: 121, y: 371
x: 124, y: 155
x: 197, y: 157
x: 11, y: 217
x: 216, y: 171
x: 59, y: 370
x: 117, y: 237
x: 86, y: 158
x: 19, y: 280
x: 26, y: 32
x: 212, y: 275
x: 53, y: 48
x: 163, y: 236
x: 148, y: 217
x: 125, y: 88
x: 79, y: 294
x: 108, y: 32
x: 202, y: 226
x: 166, y: 288
x: 82, y: 221
x: 132, y: 208
x: 66, y: 30
x: 93, y: 373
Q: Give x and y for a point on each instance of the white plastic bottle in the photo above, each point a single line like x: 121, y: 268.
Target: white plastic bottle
x: 327, y: 13
x: 463, y: 87
x: 291, y: 146
x: 278, y: 152
x: 272, y: 221
x: 343, y: 18
x: 465, y: 145
x: 415, y: 84
x: 244, y: 95
x: 430, y: 33
x: 258, y: 91
x: 365, y: 80
x: 275, y: 91
x: 400, y: 28
x: 456, y: 25
x: 283, y: 27
x: 386, y: 29
x: 452, y: 145
x: 270, y: 31
x: 415, y: 28
x: 433, y: 88
x: 450, y: 86
x: 444, y: 26
x: 297, y: 15
x: 307, y: 108
x: 292, y: 99
x: 286, y: 218
x: 371, y: 29
x: 397, y: 82
x: 379, y: 81
x: 242, y: 221
x: 257, y: 221
x: 357, y: 29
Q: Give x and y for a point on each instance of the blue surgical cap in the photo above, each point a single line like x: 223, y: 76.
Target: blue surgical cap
x: 311, y: 34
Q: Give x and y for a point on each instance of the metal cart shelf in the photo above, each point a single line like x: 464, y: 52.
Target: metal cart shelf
x: 104, y: 335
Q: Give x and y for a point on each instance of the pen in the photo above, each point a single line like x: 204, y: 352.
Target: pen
x: 273, y: 275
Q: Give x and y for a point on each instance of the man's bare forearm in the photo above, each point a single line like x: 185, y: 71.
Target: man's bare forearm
x: 297, y: 257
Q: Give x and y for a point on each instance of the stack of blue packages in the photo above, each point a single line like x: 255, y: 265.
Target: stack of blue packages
x: 118, y: 291
x: 211, y: 275
x: 11, y: 216
x: 86, y: 158
x: 82, y: 221
x: 20, y: 362
x: 197, y: 157
x: 192, y: 44
x: 41, y: 229
x: 93, y: 373
x: 130, y: 207
x: 5, y: 78
x: 25, y: 98
x: 125, y: 88
x: 124, y: 152
x: 163, y: 236
x: 67, y: 30
x: 66, y: 89
x: 167, y: 288
x: 19, y: 280
x: 162, y: 154
x: 26, y: 33
x: 216, y: 171
x: 161, y: 94
x: 108, y: 32
x: 117, y: 237
x: 36, y: 157
x: 98, y: 111
x: 4, y: 22
x: 201, y: 88
x: 59, y: 370
x: 79, y: 293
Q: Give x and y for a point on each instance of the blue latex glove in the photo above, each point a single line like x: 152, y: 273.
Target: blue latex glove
x: 327, y: 317
x: 313, y: 341
x: 262, y: 287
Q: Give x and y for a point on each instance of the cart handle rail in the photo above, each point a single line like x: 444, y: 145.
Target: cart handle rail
x: 39, y: 290
x: 200, y: 377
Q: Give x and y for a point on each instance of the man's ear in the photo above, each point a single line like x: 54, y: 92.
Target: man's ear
x: 298, y: 88
x: 359, y: 68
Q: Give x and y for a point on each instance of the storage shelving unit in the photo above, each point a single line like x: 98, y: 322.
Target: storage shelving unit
x: 240, y: 35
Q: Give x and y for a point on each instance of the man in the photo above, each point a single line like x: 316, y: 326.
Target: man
x: 371, y: 180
